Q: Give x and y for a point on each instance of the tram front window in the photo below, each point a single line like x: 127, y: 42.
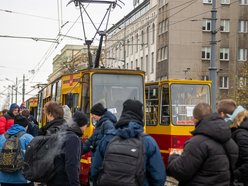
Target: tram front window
x: 184, y: 97
x: 113, y: 89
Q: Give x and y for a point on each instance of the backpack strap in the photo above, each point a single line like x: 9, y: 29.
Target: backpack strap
x: 19, y: 134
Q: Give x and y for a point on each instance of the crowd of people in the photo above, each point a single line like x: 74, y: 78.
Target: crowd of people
x: 217, y: 153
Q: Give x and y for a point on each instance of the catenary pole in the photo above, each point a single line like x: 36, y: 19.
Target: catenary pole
x: 212, y: 68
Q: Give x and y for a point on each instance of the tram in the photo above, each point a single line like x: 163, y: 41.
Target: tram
x: 31, y: 105
x: 81, y: 90
x: 169, y: 110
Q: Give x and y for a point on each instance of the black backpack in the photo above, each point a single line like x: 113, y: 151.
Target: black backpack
x: 11, y: 157
x: 40, y: 156
x: 123, y: 162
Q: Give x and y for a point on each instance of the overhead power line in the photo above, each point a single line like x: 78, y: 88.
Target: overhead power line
x: 32, y: 38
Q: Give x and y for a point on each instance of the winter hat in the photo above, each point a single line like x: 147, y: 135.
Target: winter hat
x: 80, y: 118
x: 13, y: 106
x: 22, y: 106
x: 98, y: 109
x: 21, y: 120
x: 134, y: 106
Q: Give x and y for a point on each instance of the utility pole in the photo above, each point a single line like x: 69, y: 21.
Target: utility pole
x: 16, y: 89
x: 212, y: 68
x: 124, y: 44
x: 23, y: 88
x: 12, y: 93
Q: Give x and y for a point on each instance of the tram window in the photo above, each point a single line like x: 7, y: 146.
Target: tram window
x: 184, y: 97
x: 113, y: 89
x: 58, y: 91
x: 165, y: 110
x: 152, y: 105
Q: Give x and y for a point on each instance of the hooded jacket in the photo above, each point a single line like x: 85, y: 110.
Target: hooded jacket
x: 205, y: 160
x: 130, y: 126
x: 68, y: 162
x: 6, y: 122
x: 52, y: 126
x: 240, y: 136
x: 15, y: 177
x: 105, y: 124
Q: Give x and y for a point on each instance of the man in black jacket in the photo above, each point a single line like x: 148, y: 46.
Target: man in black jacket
x: 209, y: 156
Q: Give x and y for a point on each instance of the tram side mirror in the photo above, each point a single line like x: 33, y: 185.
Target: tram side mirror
x: 69, y: 100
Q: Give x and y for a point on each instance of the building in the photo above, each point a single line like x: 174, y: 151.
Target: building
x: 182, y: 45
x: 131, y: 42
x: 71, y: 59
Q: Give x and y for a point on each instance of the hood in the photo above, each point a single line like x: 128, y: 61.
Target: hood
x: 106, y: 116
x: 129, y: 131
x: 15, y: 129
x: 76, y: 129
x: 244, y: 124
x: 214, y: 127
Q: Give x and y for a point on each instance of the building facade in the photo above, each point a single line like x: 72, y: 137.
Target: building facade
x: 172, y: 40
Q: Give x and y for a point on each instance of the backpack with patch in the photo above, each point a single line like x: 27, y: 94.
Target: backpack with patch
x: 40, y: 156
x: 123, y: 162
x: 11, y: 157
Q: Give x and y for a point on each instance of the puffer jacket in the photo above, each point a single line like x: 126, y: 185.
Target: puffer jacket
x: 6, y: 122
x: 105, y: 124
x: 15, y: 177
x: 204, y: 160
x: 154, y: 165
x: 240, y: 136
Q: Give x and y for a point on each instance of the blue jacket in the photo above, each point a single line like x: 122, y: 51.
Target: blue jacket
x: 15, y: 177
x: 105, y: 124
x: 154, y: 165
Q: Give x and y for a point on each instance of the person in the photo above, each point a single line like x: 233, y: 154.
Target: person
x: 104, y: 121
x: 130, y: 125
x: 32, y: 127
x: 16, y: 178
x: 68, y: 162
x: 7, y: 120
x: 22, y: 107
x: 237, y: 119
x: 4, y: 111
x: 209, y: 157
x: 67, y: 113
x: 55, y: 117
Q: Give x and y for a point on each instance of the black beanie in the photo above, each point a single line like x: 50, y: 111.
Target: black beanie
x: 21, y: 120
x: 98, y: 109
x: 80, y: 118
x: 134, y: 106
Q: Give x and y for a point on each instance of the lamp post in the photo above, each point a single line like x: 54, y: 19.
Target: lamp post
x: 14, y: 85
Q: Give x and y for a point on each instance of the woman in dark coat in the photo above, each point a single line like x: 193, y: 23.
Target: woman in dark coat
x: 240, y: 136
x: 209, y: 156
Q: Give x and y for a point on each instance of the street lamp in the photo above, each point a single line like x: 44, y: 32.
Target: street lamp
x: 14, y: 85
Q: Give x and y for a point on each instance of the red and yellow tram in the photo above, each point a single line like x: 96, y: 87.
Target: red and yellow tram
x: 169, y: 108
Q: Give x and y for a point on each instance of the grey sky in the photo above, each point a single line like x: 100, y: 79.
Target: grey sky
x: 39, y: 19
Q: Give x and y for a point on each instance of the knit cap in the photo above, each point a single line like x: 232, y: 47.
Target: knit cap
x: 98, y: 109
x: 80, y: 118
x: 134, y: 106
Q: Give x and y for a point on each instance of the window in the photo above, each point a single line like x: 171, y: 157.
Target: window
x: 224, y: 54
x: 131, y: 64
x: 206, y: 25
x: 153, y: 33
x: 224, y: 25
x: 137, y: 41
x: 206, y: 53
x: 147, y: 64
x: 207, y: 1
x: 243, y: 26
x: 142, y: 39
x: 242, y: 54
x: 152, y: 65
x: 224, y: 82
x: 243, y: 2
x: 147, y: 36
x: 141, y: 63
x: 225, y: 2
x: 131, y: 45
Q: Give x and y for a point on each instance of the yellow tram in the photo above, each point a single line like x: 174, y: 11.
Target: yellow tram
x: 83, y: 89
x: 169, y: 108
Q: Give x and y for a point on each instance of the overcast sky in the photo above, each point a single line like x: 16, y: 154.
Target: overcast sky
x: 42, y: 19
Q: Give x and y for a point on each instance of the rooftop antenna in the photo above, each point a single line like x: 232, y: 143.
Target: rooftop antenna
x: 112, y: 4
